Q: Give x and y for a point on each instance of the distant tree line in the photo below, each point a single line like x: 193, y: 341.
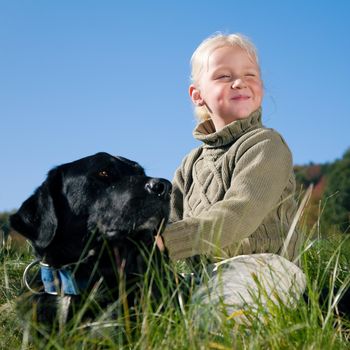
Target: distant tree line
x: 10, y: 239
x: 330, y: 200
x: 4, y: 222
x: 4, y: 227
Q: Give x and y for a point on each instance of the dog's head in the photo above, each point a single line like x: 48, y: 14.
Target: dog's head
x: 108, y: 196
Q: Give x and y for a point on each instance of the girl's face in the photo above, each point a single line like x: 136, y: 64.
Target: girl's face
x: 230, y: 87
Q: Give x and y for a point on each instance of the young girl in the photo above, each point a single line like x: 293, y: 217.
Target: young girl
x: 233, y: 197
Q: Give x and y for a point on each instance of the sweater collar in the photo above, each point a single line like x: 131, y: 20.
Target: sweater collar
x: 206, y: 133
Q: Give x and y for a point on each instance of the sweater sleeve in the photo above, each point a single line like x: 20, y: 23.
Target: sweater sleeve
x: 176, y: 203
x: 261, y: 172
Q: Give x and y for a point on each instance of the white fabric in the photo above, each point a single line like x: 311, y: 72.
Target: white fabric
x: 251, y: 281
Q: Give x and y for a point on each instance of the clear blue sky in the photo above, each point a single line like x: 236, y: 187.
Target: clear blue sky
x: 78, y: 77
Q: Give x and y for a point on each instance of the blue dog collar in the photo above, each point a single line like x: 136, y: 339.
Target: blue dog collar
x: 61, y: 281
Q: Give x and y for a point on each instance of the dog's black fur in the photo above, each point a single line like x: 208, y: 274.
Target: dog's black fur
x: 102, y: 211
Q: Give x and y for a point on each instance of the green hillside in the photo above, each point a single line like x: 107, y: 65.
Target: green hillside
x: 330, y: 199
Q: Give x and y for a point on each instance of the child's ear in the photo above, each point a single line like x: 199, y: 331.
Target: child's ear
x: 195, y: 96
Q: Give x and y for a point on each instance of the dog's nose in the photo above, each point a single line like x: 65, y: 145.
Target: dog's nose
x: 160, y: 187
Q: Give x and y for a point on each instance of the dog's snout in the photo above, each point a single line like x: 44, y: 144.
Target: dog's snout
x: 160, y: 187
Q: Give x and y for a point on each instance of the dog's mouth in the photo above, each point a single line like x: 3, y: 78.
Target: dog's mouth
x: 148, y: 233
x: 153, y: 225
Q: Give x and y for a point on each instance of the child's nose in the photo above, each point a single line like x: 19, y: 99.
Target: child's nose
x: 238, y: 83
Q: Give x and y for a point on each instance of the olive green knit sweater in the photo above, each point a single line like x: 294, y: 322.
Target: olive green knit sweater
x: 234, y: 194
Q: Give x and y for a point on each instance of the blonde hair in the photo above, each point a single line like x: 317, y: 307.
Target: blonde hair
x: 201, y: 55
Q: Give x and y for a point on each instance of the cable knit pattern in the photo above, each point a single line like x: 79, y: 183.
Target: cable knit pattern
x: 234, y: 194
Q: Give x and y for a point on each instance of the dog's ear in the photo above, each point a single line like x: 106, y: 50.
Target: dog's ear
x: 36, y: 219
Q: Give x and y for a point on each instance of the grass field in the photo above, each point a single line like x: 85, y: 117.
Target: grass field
x: 325, y: 262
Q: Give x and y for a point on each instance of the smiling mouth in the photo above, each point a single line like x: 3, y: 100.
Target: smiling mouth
x: 240, y: 98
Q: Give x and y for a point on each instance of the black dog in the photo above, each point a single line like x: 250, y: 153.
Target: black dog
x: 92, y: 224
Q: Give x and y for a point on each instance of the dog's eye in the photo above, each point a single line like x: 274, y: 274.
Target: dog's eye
x: 103, y: 173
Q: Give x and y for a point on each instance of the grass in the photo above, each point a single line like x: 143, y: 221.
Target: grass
x: 326, y: 262
x: 12, y: 264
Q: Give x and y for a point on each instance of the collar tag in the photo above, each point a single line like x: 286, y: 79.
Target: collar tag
x: 49, y: 279
x: 68, y: 282
x: 59, y: 281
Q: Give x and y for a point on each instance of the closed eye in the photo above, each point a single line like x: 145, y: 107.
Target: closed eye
x: 254, y: 75
x: 224, y: 76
